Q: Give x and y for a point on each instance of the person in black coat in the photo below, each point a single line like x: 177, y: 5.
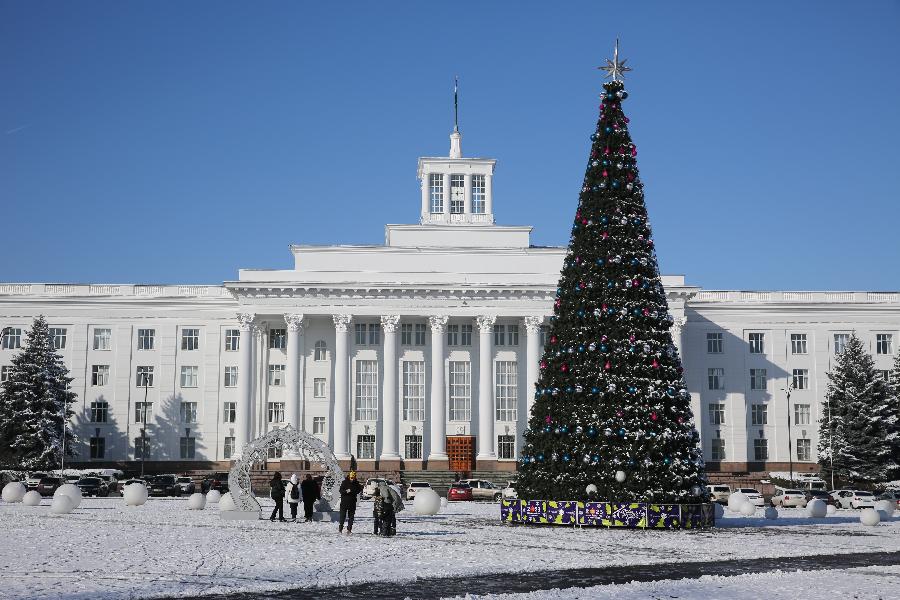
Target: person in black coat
x: 276, y: 485
x: 309, y: 490
x: 350, y: 491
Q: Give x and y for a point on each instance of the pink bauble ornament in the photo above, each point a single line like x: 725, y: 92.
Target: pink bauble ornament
x: 607, y: 366
x: 548, y: 419
x: 543, y: 364
x: 655, y: 364
x: 605, y: 173
x: 653, y: 416
x: 564, y: 368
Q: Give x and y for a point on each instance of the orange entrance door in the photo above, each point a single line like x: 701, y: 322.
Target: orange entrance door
x: 461, y: 452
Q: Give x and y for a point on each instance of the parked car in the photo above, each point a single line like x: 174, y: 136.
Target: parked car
x: 459, y: 491
x: 186, y: 484
x: 128, y: 482
x: 719, y: 493
x: 890, y: 495
x: 484, y: 490
x: 818, y: 495
x: 415, y: 486
x: 372, y: 485
x: 93, y: 486
x: 853, y: 499
x: 32, y: 481
x: 756, y: 499
x: 164, y: 485
x: 509, y: 492
x: 788, y: 498
x: 48, y: 485
x: 217, y: 481
x: 111, y: 482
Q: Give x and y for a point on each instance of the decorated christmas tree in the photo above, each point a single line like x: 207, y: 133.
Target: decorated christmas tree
x: 611, y: 407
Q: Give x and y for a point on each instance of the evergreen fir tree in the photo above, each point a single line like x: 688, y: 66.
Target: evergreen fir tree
x: 611, y: 395
x: 858, y: 428
x: 32, y: 401
x: 894, y: 401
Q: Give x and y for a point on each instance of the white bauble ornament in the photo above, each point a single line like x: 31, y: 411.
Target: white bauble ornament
x: 213, y: 496
x: 886, y: 507
x: 32, y: 498
x: 72, y: 491
x: 816, y: 509
x: 720, y: 511
x: 747, y: 509
x: 870, y: 517
x: 427, y: 502
x: 226, y: 503
x: 135, y: 494
x: 62, y: 504
x: 830, y: 509
x: 197, y: 501
x: 620, y: 476
x: 591, y: 489
x: 13, y: 492
x: 771, y: 513
x: 736, y: 501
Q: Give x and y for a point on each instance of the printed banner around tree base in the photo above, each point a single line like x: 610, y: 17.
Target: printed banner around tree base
x: 635, y: 515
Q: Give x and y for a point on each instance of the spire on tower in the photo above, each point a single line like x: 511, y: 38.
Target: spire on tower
x: 456, y: 136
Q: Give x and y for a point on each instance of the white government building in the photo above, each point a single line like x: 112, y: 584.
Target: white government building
x: 419, y: 353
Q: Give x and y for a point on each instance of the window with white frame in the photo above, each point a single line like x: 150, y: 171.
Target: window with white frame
x: 884, y: 343
x: 99, y: 411
x: 275, y: 452
x: 465, y: 335
x: 58, y: 335
x: 412, y: 447
x: 506, y: 392
x: 190, y: 339
x: 188, y: 412
x: 453, y: 335
x: 319, y: 425
x: 420, y: 331
x: 759, y: 414
x: 188, y: 446
x: 232, y: 340
x: 798, y: 343
x: 276, y: 374
x: 506, y: 447
x: 144, y: 376
x: 278, y: 339
x: 717, y: 413
x: 718, y: 449
x: 457, y: 194
x: 4, y: 373
x: 499, y: 335
x: 231, y: 376
x: 761, y: 449
x: 319, y: 387
x: 276, y: 412
x: 145, y: 338
x: 367, y: 390
x: 142, y: 411
x: 139, y: 448
x: 460, y: 403
x: 102, y: 338
x: 804, y: 450
x: 716, y: 378
x: 801, y: 414
x: 757, y: 343
x: 228, y: 447
x: 99, y: 375
x: 367, y: 334
x: 413, y: 390
x: 406, y: 334
x: 189, y: 376
x: 436, y: 187
x: 229, y: 412
x: 365, y: 447
x: 321, y: 349
x: 884, y: 375
x: 800, y: 379
x: 714, y: 343
x: 12, y: 338
x: 479, y: 190
x: 840, y: 342
x: 98, y: 446
x: 758, y: 379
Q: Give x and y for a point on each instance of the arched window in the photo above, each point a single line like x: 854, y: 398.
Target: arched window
x: 321, y: 348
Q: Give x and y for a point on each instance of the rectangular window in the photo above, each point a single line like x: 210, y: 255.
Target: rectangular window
x: 187, y: 447
x: 714, y: 343
x: 365, y: 447
x: 275, y: 453
x: 506, y: 393
x: 4, y: 373
x: 465, y: 335
x: 12, y: 338
x: 413, y: 447
x: 189, y: 377
x: 321, y: 351
x: 801, y: 379
x: 478, y: 194
x: 406, y: 334
x: 840, y: 342
x: 436, y: 187
x: 276, y: 412
x: 276, y: 374
x: 367, y: 390
x: 319, y: 425
x: 718, y: 449
x: 188, y: 412
x: 232, y: 340
x: 512, y: 335
x: 457, y: 194
x: 144, y: 377
x: 102, y: 339
x: 99, y: 411
x: 190, y: 339
x: 319, y: 387
x: 420, y: 334
x: 142, y: 411
x: 506, y: 447
x: 139, y: 448
x: 798, y: 343
x: 717, y: 414
x: 801, y: 414
x: 759, y: 414
x: 804, y: 450
x: 460, y: 390
x: 59, y: 337
x: 499, y: 335
x: 145, y: 339
x: 758, y: 379
x: 367, y: 334
x: 99, y: 375
x: 884, y: 375
x: 228, y: 448
x: 453, y: 335
x: 413, y: 390
x: 884, y: 343
x: 716, y: 378
x: 278, y: 339
x: 231, y: 377
x: 757, y: 343
x: 761, y: 449
x: 98, y: 447
x: 229, y: 412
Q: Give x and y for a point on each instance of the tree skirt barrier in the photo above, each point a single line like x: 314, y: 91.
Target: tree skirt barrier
x: 632, y: 515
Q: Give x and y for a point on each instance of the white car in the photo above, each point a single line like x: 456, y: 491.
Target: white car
x: 719, y: 493
x: 415, y: 486
x: 509, y: 492
x: 853, y: 499
x: 788, y: 498
x: 33, y: 479
x: 756, y: 499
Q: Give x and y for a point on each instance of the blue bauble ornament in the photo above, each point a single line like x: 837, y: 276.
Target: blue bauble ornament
x: 666, y: 461
x: 609, y: 284
x: 569, y: 390
x: 592, y: 432
x: 608, y: 129
x: 594, y: 390
x: 540, y: 457
x: 622, y: 432
x: 593, y: 137
x: 599, y: 261
x: 581, y: 348
x: 603, y: 347
x: 615, y: 183
x: 604, y: 220
x: 566, y: 458
x: 595, y: 458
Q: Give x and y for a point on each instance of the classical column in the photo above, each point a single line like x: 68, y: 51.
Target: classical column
x: 426, y: 196
x: 389, y: 421
x: 341, y: 386
x: 438, y: 413
x: 245, y: 383
x: 489, y: 194
x: 485, y: 388
x: 467, y: 193
x: 293, y: 378
x: 677, y: 329
x: 447, y: 196
x: 532, y: 372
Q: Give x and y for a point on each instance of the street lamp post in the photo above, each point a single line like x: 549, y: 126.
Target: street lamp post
x: 831, y: 442
x: 62, y: 457
x: 788, y: 391
x: 144, y: 425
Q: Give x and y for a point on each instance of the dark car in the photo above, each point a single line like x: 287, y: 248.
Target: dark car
x: 217, y: 481
x: 93, y: 486
x: 48, y: 485
x: 164, y: 485
x: 818, y: 495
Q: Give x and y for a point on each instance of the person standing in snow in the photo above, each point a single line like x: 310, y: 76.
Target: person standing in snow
x: 276, y: 485
x: 350, y: 491
x: 293, y: 495
x: 309, y: 489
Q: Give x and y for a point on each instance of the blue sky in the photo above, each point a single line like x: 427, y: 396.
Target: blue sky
x: 178, y: 142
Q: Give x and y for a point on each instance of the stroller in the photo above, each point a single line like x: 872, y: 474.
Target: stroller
x: 387, y: 518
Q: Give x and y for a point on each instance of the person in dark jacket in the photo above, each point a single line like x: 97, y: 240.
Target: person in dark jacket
x: 276, y: 485
x: 350, y: 491
x: 309, y: 489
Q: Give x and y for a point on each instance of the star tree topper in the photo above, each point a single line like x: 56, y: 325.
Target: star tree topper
x: 614, y: 68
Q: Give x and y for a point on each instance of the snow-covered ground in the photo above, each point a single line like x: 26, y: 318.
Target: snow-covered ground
x: 107, y: 550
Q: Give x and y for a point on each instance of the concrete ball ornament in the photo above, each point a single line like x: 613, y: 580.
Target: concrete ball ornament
x: 747, y: 509
x: 427, y: 502
x: 620, y: 476
x: 771, y: 513
x: 830, y: 509
x: 196, y: 501
x: 135, y: 494
x: 869, y: 517
x: 32, y: 498
x: 736, y: 501
x: 226, y: 503
x: 14, y: 491
x: 62, y: 504
x: 72, y: 491
x: 886, y: 507
x: 213, y: 496
x: 817, y: 509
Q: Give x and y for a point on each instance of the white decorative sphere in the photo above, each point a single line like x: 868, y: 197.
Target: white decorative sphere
x: 32, y: 498
x: 590, y: 489
x: 62, y: 504
x: 831, y: 509
x: 887, y: 507
x: 213, y: 496
x: 72, y: 491
x: 720, y: 511
x: 427, y: 502
x: 870, y: 517
x: 197, y: 501
x: 14, y: 491
x: 816, y: 509
x: 771, y: 513
x: 135, y: 494
x: 620, y: 476
x: 226, y: 503
x: 747, y: 509
x: 736, y: 501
